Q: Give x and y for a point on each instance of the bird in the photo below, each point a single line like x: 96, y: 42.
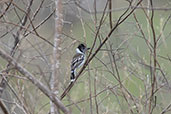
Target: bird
x: 78, y: 60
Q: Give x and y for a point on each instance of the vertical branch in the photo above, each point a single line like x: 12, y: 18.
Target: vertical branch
x: 54, y: 81
x: 90, y: 93
x: 110, y: 13
x: 148, y: 15
x: 154, y: 59
x: 96, y: 104
x: 95, y: 13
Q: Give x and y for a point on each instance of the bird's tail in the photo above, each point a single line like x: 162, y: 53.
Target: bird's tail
x: 72, y: 76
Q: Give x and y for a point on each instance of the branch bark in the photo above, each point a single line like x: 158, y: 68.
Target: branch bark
x: 54, y: 82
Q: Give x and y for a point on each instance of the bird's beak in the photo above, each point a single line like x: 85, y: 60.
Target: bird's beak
x: 87, y: 49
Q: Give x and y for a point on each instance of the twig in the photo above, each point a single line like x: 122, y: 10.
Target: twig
x: 166, y: 109
x: 6, y: 9
x: 95, y: 99
x: 90, y: 92
x: 3, y: 107
x: 110, y: 14
x: 150, y: 46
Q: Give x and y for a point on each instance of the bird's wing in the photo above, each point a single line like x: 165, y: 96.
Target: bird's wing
x: 77, y: 61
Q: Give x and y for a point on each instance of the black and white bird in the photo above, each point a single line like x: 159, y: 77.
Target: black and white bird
x: 78, y: 60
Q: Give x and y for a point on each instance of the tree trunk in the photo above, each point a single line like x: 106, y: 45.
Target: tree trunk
x: 54, y: 82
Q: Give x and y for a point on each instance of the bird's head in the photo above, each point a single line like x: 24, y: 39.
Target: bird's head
x: 82, y: 48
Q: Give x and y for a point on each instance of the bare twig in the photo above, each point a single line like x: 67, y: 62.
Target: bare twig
x: 6, y: 9
x: 4, y: 108
x: 110, y: 13
x: 166, y: 109
x: 97, y: 109
x: 90, y: 91
x: 142, y: 32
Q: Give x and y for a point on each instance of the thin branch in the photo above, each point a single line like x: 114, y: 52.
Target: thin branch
x: 154, y: 60
x: 110, y: 14
x: 6, y: 9
x: 4, y: 108
x: 150, y: 46
x: 95, y: 98
x: 166, y: 109
x: 90, y: 92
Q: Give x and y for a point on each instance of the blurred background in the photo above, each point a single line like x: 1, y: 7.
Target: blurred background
x: 127, y: 54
